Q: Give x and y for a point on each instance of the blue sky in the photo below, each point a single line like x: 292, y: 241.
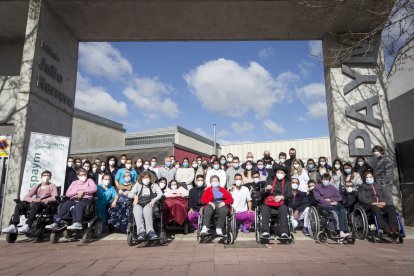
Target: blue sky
x: 253, y: 91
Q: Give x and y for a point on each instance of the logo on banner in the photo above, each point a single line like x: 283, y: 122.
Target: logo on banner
x: 4, y: 146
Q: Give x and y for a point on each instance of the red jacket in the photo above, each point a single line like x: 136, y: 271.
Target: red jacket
x: 208, y: 196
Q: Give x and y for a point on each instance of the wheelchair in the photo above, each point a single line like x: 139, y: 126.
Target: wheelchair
x: 159, y: 227
x: 229, y: 231
x: 274, y: 226
x: 37, y: 230
x: 366, y: 226
x: 323, y: 225
x: 91, y: 225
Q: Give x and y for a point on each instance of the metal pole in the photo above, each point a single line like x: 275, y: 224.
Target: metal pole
x: 214, y: 136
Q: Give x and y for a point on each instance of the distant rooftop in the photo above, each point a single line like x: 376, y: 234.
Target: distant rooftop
x: 98, y: 119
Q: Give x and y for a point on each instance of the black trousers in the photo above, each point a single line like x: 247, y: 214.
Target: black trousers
x: 23, y: 207
x: 283, y: 220
x: 79, y: 206
x: 388, y: 210
x: 221, y: 212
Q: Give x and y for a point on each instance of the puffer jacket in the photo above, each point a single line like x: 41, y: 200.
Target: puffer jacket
x: 369, y: 194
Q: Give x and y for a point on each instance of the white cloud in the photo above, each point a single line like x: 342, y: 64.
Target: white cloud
x: 273, y: 127
x: 225, y: 87
x: 301, y: 119
x: 315, y: 48
x: 305, y: 68
x: 312, y: 91
x: 242, y: 127
x: 96, y: 100
x: 266, y: 52
x: 317, y: 110
x: 150, y: 96
x: 223, y: 133
x: 103, y: 60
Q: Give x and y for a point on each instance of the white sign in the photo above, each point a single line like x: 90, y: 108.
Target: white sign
x: 46, y: 152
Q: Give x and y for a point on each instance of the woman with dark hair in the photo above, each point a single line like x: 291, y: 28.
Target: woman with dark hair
x: 107, y: 196
x: 383, y: 170
x: 185, y: 174
x: 247, y: 174
x: 223, y: 162
x: 351, y: 175
x: 337, y: 174
x: 175, y: 206
x: 162, y: 182
x: 362, y: 166
x: 87, y: 165
x: 112, y: 162
x: 323, y: 168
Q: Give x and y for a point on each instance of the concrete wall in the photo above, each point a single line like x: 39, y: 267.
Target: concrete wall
x: 89, y: 135
x: 11, y: 52
x: 192, y: 143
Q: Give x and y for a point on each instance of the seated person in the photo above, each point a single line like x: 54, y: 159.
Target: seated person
x: 371, y: 197
x: 349, y: 196
x: 162, y: 182
x: 175, y: 206
x: 276, y: 194
x: 300, y: 206
x: 118, y: 216
x: 146, y: 193
x: 217, y: 199
x: 36, y: 201
x: 309, y: 195
x: 329, y: 198
x: 80, y: 194
x: 106, y: 195
x: 242, y: 204
x: 194, y: 200
x: 120, y: 174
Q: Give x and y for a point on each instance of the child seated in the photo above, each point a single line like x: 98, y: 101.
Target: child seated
x: 349, y: 196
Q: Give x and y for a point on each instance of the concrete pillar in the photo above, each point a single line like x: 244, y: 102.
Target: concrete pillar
x: 46, y: 92
x: 358, y: 111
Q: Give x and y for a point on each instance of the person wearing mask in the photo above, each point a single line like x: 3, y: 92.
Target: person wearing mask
x: 168, y: 171
x: 123, y: 160
x: 229, y: 160
x: 256, y: 187
x: 323, y: 167
x: 70, y: 174
x: 260, y: 166
x: 300, y: 206
x: 362, y: 166
x: 267, y: 159
x: 197, y: 169
x: 351, y: 175
x: 281, y: 162
x: 172, y: 157
x: 107, y: 196
x: 213, y: 158
x: 153, y: 166
x: 292, y: 155
x: 162, y: 182
x: 139, y: 165
x: 296, y: 171
x: 242, y: 204
x: 80, y: 194
x: 78, y: 164
x: 206, y: 167
x: 311, y: 198
x: 97, y: 161
x: 276, y: 194
x: 177, y: 165
x: 199, y: 160
x: 217, y: 200
x: 118, y: 216
x: 216, y: 171
x: 249, y: 158
x: 329, y: 199
x: 95, y: 173
x: 312, y: 170
x: 185, y: 175
x: 349, y: 196
x: 35, y: 201
x: 87, y: 165
x: 372, y: 198
x: 146, y: 193
x: 175, y: 206
x: 231, y: 172
x: 338, y: 174
x: 247, y: 174
x: 120, y: 174
x: 112, y: 167
x: 102, y: 171
x: 223, y: 162
x: 384, y: 171
x: 194, y: 201
x: 147, y: 168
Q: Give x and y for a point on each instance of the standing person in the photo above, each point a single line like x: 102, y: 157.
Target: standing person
x: 87, y: 165
x: 147, y: 168
x: 198, y: 169
x: 384, y: 171
x: 213, y: 158
x: 102, y: 171
x: 185, y: 174
x: 107, y: 195
x: 176, y: 164
x: 172, y: 157
x: 351, y: 175
x: 296, y: 171
x: 267, y: 159
x: 112, y: 166
x: 97, y: 161
x: 223, y: 162
x: 249, y: 158
x: 95, y: 173
x: 362, y: 166
x: 153, y: 166
x: 34, y: 201
x: 168, y: 171
x: 229, y: 160
x: 323, y: 167
x: 242, y: 204
x: 337, y: 174
x: 70, y: 174
x: 247, y: 174
x: 216, y: 171
x: 292, y: 155
x: 260, y: 166
x: 312, y: 170
x: 194, y: 201
x: 139, y: 165
x: 123, y: 160
x: 231, y: 172
x: 281, y: 162
x: 119, y: 177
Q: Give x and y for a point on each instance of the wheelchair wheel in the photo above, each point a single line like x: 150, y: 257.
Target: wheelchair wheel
x: 314, y: 223
x: 360, y: 223
x: 54, y: 237
x: 233, y: 224
x: 257, y: 226
x: 163, y: 237
x: 11, y: 237
x: 97, y: 229
x: 230, y: 238
x: 186, y: 227
x: 66, y: 234
x: 321, y: 237
x: 39, y: 235
x: 86, y: 236
x: 130, y: 239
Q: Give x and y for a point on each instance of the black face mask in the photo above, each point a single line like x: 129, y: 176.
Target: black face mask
x: 204, y: 166
x: 292, y: 156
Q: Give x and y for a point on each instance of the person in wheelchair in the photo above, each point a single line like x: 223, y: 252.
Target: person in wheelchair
x: 80, y: 194
x: 175, y: 206
x: 146, y: 193
x: 349, y: 196
x: 194, y: 201
x: 329, y: 199
x: 107, y: 195
x: 35, y: 201
x: 276, y: 194
x: 310, y: 197
x: 372, y: 198
x: 300, y: 206
x: 242, y: 204
x: 217, y: 200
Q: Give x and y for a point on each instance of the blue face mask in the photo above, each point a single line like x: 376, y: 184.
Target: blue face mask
x: 325, y: 183
x: 216, y: 167
x: 236, y: 165
x: 185, y: 165
x: 168, y: 164
x: 348, y: 171
x: 369, y: 180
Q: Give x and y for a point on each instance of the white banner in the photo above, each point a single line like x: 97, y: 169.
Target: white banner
x: 46, y: 152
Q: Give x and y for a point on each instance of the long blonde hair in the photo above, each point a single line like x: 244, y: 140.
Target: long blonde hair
x: 292, y: 168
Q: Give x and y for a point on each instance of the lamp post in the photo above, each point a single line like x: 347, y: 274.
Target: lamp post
x: 214, y: 137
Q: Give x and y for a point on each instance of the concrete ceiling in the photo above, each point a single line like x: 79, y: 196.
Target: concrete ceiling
x: 143, y: 20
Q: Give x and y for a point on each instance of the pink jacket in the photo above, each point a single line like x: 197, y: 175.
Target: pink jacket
x: 47, y: 193
x: 89, y: 187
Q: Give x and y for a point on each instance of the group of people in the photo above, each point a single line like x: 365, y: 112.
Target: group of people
x: 215, y: 184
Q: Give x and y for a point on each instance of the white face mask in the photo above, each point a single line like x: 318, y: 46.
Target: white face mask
x: 280, y: 176
x: 369, y: 180
x: 349, y: 189
x: 139, y: 164
x: 249, y: 167
x: 282, y: 160
x: 322, y: 163
x: 83, y: 178
x: 128, y: 166
x: 200, y: 183
x: 260, y: 167
x: 215, y: 184
x: 361, y: 163
x: 146, y: 167
x: 195, y: 166
x: 377, y: 154
x: 45, y: 179
x: 103, y: 168
x: 199, y: 163
x: 162, y: 185
x: 105, y: 182
x: 229, y: 159
x: 111, y: 163
x: 70, y: 164
x: 87, y: 168
x: 153, y: 164
x: 256, y: 180
x: 337, y: 166
x: 94, y: 170
x: 123, y: 161
x: 238, y: 183
x: 177, y: 166
x: 296, y: 166
x: 174, y: 187
x: 250, y: 159
x: 127, y: 179
x: 145, y: 181
x: 311, y: 188
x: 295, y: 186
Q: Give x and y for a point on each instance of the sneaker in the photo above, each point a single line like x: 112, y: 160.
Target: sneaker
x: 344, y: 235
x: 245, y: 230
x: 284, y: 236
x: 305, y: 231
x: 242, y: 228
x: 204, y: 230
x: 152, y: 236
x: 12, y: 229
x: 24, y: 229
x: 52, y: 226
x: 219, y: 232
x: 75, y: 226
x: 265, y: 235
x: 141, y: 237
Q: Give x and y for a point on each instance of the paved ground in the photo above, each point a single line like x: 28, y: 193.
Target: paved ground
x: 184, y: 256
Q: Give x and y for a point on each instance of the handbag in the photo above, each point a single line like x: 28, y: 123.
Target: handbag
x: 270, y: 200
